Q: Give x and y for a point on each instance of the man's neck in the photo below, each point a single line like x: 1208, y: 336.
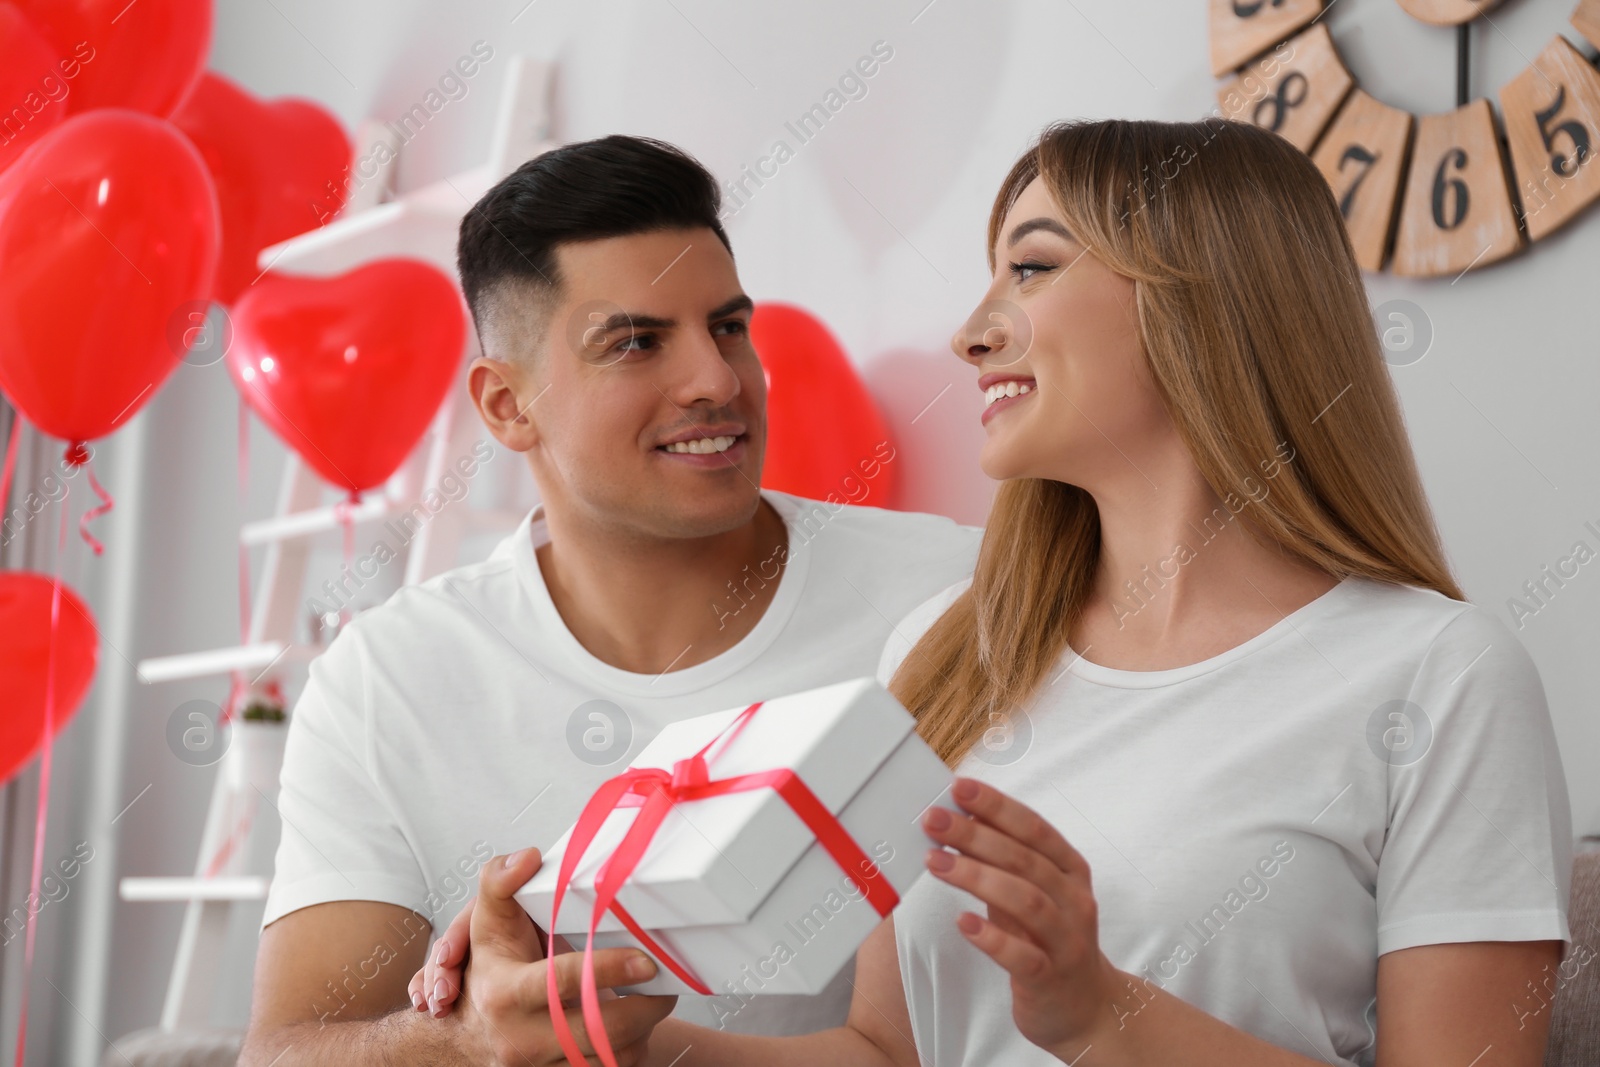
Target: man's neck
x: 666, y: 604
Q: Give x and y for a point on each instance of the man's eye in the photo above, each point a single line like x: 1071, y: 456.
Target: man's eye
x: 638, y: 342
x: 735, y: 327
x: 1017, y: 270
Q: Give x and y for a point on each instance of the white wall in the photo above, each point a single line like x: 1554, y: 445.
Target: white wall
x: 877, y: 226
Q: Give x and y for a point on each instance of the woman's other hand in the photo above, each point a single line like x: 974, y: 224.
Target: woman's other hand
x: 1042, y: 923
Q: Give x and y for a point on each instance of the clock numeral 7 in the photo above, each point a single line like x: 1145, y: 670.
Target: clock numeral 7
x: 1362, y: 158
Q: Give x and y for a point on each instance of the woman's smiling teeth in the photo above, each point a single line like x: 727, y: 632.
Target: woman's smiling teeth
x: 1001, y: 390
x: 702, y: 445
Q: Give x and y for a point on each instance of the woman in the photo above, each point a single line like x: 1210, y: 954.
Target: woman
x: 1306, y: 775
x: 1247, y: 782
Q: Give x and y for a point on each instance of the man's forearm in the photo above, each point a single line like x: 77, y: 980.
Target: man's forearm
x: 401, y: 1039
x: 685, y: 1045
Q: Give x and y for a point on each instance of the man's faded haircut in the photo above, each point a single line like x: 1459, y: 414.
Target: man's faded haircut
x: 609, y: 187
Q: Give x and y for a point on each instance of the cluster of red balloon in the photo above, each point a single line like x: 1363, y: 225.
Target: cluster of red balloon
x: 135, y: 190
x: 108, y: 221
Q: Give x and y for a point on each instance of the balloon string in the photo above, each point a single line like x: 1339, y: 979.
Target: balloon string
x: 11, y: 460
x: 94, y: 512
x: 41, y: 819
x: 344, y: 514
x: 241, y: 830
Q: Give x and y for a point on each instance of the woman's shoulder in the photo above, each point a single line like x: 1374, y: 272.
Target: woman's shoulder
x: 1395, y: 609
x: 1448, y: 640
x: 908, y: 630
x: 939, y: 602
x: 925, y: 614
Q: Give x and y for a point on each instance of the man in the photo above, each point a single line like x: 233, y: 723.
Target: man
x: 472, y: 715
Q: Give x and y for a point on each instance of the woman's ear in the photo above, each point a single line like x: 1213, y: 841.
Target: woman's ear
x: 497, y: 389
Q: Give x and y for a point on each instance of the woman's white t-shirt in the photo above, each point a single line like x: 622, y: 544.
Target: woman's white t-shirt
x: 1375, y: 771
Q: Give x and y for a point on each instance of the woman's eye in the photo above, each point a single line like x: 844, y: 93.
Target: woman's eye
x: 1017, y: 270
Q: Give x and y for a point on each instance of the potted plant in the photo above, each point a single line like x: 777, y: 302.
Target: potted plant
x: 262, y: 728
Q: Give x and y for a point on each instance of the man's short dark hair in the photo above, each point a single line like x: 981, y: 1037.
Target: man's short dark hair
x: 589, y: 190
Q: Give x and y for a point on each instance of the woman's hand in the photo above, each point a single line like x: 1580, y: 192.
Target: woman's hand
x: 1042, y: 922
x: 437, y: 982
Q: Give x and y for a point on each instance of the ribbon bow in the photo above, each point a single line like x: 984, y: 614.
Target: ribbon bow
x: 656, y: 792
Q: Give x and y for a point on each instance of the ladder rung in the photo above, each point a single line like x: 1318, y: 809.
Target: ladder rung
x: 221, y: 661
x: 246, y: 887
x: 310, y: 522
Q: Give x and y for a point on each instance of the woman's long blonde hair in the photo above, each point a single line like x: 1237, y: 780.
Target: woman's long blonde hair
x: 1255, y: 325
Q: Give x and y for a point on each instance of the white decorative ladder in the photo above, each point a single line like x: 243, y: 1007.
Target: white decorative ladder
x: 423, y: 224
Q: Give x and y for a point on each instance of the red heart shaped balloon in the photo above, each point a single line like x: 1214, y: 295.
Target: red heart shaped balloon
x: 30, y: 85
x: 350, y: 370
x: 279, y: 170
x: 825, y: 437
x: 25, y: 606
x: 108, y: 229
x: 144, y: 55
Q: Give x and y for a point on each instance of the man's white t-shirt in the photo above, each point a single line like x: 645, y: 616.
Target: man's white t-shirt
x: 461, y: 719
x: 1375, y: 771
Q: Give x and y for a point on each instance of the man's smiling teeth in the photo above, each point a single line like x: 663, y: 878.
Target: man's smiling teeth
x: 1001, y: 390
x: 702, y: 445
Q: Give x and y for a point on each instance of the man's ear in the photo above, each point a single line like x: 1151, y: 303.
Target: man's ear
x: 504, y: 393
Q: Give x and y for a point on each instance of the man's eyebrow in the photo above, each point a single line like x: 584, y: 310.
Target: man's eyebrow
x: 731, y: 307
x: 621, y: 320
x: 1041, y: 223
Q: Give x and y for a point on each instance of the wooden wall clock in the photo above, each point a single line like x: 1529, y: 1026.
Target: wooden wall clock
x: 1427, y: 195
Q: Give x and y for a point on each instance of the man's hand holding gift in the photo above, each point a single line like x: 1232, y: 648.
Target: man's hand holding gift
x: 490, y: 966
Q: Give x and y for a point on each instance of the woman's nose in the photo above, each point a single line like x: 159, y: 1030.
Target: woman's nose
x: 990, y: 332
x: 978, y: 336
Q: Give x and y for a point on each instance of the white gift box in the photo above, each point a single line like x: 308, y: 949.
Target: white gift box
x: 736, y: 887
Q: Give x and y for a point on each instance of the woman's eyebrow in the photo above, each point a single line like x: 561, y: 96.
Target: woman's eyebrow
x: 1041, y: 223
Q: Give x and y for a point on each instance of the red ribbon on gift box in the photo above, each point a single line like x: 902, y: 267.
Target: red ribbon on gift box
x: 656, y: 792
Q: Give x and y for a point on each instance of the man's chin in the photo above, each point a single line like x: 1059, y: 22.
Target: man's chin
x: 704, y: 510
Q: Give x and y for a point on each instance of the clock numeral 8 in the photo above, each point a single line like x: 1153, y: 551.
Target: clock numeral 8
x: 1280, y: 102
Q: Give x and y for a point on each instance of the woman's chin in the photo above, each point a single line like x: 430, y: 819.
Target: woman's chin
x: 997, y: 462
